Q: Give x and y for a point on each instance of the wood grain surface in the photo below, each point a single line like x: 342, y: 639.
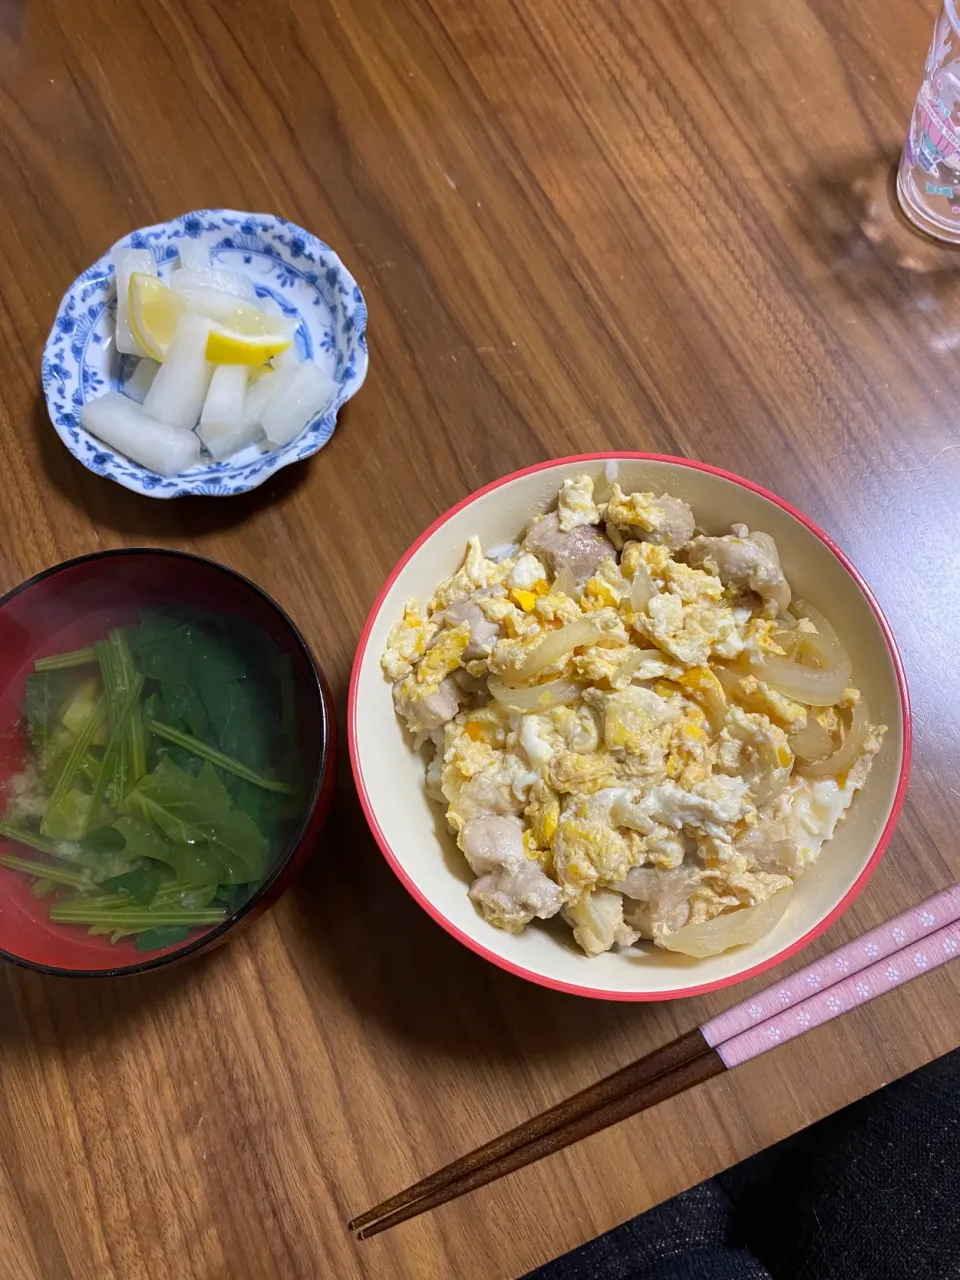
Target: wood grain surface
x: 579, y: 224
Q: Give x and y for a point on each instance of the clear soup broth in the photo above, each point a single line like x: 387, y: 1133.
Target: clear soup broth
x: 155, y: 770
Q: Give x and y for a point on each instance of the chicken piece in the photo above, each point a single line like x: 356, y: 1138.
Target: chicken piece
x: 768, y: 847
x: 510, y: 897
x: 470, y: 684
x: 582, y: 550
x: 511, y: 888
x: 664, y: 521
x: 598, y: 924
x: 483, y: 633
x: 434, y: 776
x: 747, y: 562
x: 659, y: 901
x: 424, y: 714
x: 492, y: 842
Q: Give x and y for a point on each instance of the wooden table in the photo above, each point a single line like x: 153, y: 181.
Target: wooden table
x: 579, y: 225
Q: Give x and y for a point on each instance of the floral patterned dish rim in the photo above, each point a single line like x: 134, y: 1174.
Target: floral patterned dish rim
x: 302, y: 275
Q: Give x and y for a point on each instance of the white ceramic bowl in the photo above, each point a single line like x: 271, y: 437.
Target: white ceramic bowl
x: 299, y: 273
x: 412, y: 832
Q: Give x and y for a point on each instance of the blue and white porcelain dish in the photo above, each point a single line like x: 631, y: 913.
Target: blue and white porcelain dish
x: 299, y: 272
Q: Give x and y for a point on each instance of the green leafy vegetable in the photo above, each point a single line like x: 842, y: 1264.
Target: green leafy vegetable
x: 218, y: 758
x: 183, y: 707
x: 111, y: 769
x: 176, y: 653
x: 79, y: 749
x: 55, y: 875
x: 200, y: 824
x: 131, y: 679
x: 102, y: 840
x: 32, y: 839
x: 272, y: 811
x: 200, y: 897
x: 130, y: 918
x: 157, y: 792
x: 80, y: 705
x: 66, y: 661
x: 68, y: 817
x: 213, y: 685
x: 44, y: 696
x: 236, y: 715
x: 140, y: 884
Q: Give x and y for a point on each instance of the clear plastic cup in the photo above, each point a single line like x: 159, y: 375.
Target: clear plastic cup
x: 928, y: 181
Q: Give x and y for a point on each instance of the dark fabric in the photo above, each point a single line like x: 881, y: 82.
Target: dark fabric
x: 872, y: 1193
x: 684, y: 1239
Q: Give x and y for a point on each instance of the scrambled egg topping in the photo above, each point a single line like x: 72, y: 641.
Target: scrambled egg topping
x: 614, y: 740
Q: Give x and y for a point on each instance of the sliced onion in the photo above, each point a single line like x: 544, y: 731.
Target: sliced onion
x: 642, y: 590
x: 824, y: 647
x: 774, y: 776
x: 728, y: 677
x: 565, y: 584
x: 787, y: 640
x: 786, y: 634
x: 812, y: 742
x: 636, y: 658
x: 771, y: 785
x: 556, y: 646
x: 737, y: 928
x: 850, y: 748
x: 802, y: 684
x: 702, y: 690
x: 555, y: 693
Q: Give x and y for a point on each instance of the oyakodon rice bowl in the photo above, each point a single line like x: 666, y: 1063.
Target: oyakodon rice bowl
x: 632, y: 734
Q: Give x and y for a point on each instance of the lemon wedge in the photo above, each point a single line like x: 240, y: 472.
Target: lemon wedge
x: 231, y: 346
x: 254, y: 323
x: 153, y: 310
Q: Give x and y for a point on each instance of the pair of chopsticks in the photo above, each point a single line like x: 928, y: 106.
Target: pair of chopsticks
x: 921, y: 939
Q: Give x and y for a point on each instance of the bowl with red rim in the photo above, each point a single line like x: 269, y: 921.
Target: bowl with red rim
x: 69, y: 607
x: 410, y: 829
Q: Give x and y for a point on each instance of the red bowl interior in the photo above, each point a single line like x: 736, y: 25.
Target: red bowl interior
x: 69, y: 607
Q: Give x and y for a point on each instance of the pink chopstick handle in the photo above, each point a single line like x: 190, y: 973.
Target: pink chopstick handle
x: 929, y: 953
x: 887, y: 939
